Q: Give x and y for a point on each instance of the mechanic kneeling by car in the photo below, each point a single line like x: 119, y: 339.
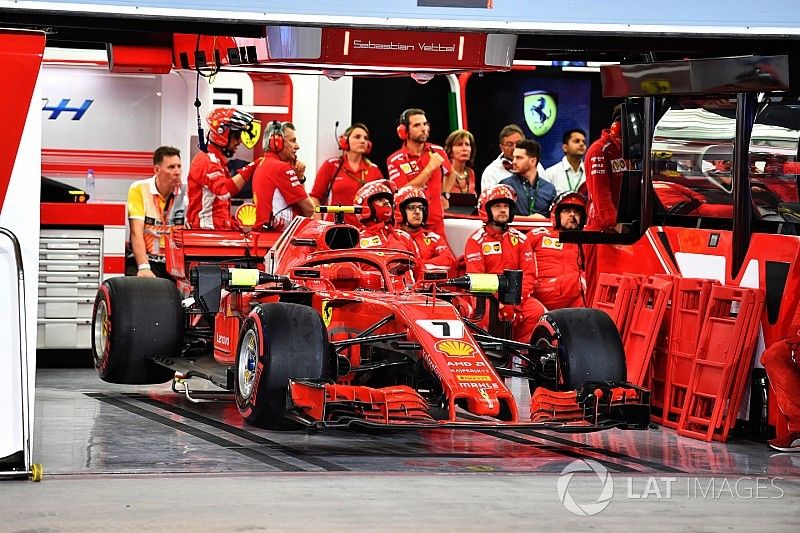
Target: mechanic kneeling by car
x: 496, y: 247
x: 377, y: 219
x: 557, y: 268
x: 411, y: 214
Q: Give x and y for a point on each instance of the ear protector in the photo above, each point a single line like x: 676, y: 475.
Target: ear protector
x: 402, y: 128
x: 616, y: 129
x: 344, y: 138
x: 275, y: 140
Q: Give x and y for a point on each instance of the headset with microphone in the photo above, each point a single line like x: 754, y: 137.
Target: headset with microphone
x: 402, y: 128
x: 275, y: 141
x: 343, y: 140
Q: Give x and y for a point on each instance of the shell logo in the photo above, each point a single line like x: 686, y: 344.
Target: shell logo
x: 246, y: 215
x: 453, y: 348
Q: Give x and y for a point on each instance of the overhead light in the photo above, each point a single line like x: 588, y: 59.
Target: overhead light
x: 333, y: 74
x: 422, y: 77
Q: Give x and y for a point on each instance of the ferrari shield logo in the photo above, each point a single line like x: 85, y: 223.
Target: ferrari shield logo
x: 540, y: 111
x: 514, y: 241
x: 327, y: 312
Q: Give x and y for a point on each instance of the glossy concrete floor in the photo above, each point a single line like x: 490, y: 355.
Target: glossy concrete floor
x: 133, y: 457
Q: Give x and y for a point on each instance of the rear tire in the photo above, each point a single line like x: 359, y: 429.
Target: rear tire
x: 588, y: 346
x: 278, y: 341
x: 133, y: 320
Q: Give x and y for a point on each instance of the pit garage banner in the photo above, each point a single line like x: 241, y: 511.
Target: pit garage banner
x: 623, y: 16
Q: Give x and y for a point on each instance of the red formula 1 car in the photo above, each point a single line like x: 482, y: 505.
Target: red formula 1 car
x: 333, y: 335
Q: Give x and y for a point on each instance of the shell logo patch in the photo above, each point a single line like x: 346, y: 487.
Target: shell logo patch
x: 549, y: 242
x: 327, y: 312
x: 453, y: 348
x: 368, y: 242
x: 492, y: 248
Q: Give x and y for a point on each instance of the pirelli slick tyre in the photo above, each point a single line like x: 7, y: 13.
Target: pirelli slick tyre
x: 277, y: 342
x: 588, y: 346
x: 133, y: 320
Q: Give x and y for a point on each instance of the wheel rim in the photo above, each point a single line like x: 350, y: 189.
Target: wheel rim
x: 246, y: 369
x: 102, y: 326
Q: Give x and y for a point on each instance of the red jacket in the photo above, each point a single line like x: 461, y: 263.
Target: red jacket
x: 604, y: 165
x: 434, y: 252
x: 210, y: 191
x: 490, y: 252
x: 383, y: 236
x: 276, y: 192
x: 555, y: 270
x: 336, y: 184
x: 403, y: 166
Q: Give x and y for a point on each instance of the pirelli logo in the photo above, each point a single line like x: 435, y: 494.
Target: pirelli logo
x: 474, y: 378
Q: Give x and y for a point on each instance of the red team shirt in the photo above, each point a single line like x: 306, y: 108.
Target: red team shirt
x: 604, y: 166
x: 490, y: 252
x: 404, y: 166
x: 554, y: 270
x: 345, y: 183
x: 276, y: 191
x: 210, y: 191
x: 434, y: 253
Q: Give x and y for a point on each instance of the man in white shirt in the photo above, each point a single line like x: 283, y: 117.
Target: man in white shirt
x: 568, y: 174
x: 500, y: 168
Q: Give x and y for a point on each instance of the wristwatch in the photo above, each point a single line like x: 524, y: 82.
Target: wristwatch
x: 446, y: 195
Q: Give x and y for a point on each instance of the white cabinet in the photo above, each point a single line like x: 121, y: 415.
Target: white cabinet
x: 70, y: 271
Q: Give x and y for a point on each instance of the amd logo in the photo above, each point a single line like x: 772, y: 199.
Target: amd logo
x: 64, y: 107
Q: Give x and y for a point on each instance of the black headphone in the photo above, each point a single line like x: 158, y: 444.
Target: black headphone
x: 275, y: 141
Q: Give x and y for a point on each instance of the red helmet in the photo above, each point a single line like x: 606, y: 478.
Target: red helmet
x: 568, y: 199
x: 225, y: 120
x: 405, y: 196
x: 492, y: 195
x: 372, y: 191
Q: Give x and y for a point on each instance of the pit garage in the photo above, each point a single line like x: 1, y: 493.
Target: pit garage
x: 187, y: 452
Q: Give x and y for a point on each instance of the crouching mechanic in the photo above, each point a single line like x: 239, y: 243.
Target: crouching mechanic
x: 496, y: 247
x: 377, y: 218
x: 557, y: 270
x: 210, y: 183
x: 411, y: 214
x: 155, y: 205
x: 782, y: 362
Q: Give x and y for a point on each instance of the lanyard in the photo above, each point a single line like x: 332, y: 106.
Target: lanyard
x: 531, y: 199
x: 569, y: 181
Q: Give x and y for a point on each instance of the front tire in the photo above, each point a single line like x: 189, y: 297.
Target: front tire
x: 133, y: 320
x: 278, y: 341
x: 588, y: 347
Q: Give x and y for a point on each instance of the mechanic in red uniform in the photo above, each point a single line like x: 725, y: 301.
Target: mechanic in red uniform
x: 377, y: 219
x: 278, y: 190
x: 782, y: 363
x: 557, y: 267
x: 210, y: 183
x: 339, y: 178
x: 411, y: 214
x: 496, y: 247
x: 604, y: 166
x: 422, y: 164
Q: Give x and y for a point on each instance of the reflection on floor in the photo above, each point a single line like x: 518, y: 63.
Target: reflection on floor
x: 85, y: 426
